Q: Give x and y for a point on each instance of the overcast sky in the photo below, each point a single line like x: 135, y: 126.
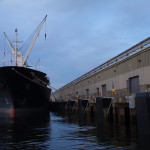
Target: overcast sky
x: 81, y: 34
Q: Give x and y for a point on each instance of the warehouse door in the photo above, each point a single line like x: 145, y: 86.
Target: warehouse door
x: 87, y: 93
x: 134, y: 85
x: 103, y: 90
x: 97, y: 93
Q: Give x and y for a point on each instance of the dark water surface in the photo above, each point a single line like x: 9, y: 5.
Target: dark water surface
x: 51, y: 131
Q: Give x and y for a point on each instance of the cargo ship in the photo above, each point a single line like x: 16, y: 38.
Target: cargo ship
x: 23, y: 87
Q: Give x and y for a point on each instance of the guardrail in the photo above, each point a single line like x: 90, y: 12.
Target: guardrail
x: 11, y: 63
x: 131, y: 51
x: 7, y: 63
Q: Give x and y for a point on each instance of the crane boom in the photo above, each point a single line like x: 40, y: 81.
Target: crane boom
x: 33, y: 42
x: 52, y: 88
x: 36, y: 64
x: 11, y: 48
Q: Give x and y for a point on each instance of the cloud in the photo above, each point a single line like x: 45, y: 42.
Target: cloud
x: 81, y: 34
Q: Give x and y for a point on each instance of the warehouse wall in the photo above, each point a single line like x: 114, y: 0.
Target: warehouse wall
x: 116, y: 77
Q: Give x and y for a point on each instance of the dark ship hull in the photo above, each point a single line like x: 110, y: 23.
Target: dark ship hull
x: 22, y: 88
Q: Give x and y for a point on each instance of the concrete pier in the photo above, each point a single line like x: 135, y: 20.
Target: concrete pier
x: 104, y: 109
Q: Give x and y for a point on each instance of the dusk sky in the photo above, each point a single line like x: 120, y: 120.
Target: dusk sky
x: 81, y: 34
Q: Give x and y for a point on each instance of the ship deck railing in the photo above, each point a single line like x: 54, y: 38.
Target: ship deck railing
x: 11, y: 63
x: 7, y: 63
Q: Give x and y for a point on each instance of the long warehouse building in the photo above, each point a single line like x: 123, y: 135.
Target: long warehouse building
x: 126, y: 74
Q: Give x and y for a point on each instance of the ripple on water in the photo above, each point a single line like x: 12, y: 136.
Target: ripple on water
x: 55, y: 132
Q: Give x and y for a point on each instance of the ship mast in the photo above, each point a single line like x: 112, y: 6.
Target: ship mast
x: 16, y: 47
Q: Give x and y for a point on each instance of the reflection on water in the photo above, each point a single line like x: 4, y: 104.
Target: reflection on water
x: 25, y: 130
x: 88, y: 134
x: 39, y: 131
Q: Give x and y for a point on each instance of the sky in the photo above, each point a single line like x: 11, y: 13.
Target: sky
x: 81, y: 34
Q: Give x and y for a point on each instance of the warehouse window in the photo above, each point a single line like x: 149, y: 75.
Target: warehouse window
x: 134, y: 85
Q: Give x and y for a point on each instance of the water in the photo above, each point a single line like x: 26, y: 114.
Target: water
x: 51, y: 131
